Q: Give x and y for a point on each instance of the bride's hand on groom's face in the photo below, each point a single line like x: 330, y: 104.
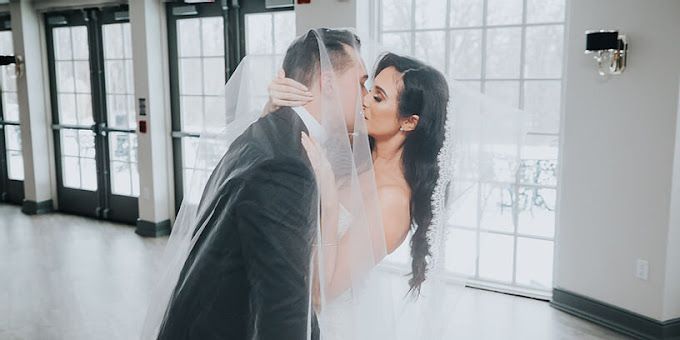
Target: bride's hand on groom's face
x: 320, y: 164
x: 287, y: 92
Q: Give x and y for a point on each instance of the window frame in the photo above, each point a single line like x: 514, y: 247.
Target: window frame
x: 11, y: 190
x: 513, y: 286
x: 233, y: 14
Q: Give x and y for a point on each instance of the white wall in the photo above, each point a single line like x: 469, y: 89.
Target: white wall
x: 618, y: 149
x: 672, y: 288
x: 43, y: 5
x: 325, y: 13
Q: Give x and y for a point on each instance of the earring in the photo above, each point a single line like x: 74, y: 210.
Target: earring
x: 401, y: 129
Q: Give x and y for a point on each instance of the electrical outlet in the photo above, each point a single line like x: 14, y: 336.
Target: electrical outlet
x: 642, y: 269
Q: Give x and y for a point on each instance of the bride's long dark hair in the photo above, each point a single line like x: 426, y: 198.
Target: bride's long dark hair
x: 425, y: 93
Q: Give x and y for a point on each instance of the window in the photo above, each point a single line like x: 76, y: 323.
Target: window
x: 269, y: 33
x: 74, y: 96
x: 206, y: 43
x: 10, y: 109
x: 93, y: 108
x: 511, y: 50
x: 11, y: 157
x: 120, y: 103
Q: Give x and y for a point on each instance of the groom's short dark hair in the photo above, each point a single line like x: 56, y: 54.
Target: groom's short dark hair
x: 301, y: 62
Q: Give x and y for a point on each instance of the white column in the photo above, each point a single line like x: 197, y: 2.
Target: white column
x: 154, y: 145
x: 35, y: 132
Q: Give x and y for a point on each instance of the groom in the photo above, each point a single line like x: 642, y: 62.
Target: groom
x: 248, y: 275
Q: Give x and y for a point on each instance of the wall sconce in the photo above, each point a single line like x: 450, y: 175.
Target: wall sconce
x: 18, y: 61
x: 610, y: 48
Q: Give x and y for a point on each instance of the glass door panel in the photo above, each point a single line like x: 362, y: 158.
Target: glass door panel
x: 11, y: 157
x: 94, y: 114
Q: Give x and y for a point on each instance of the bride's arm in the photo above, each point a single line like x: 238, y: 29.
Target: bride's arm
x: 330, y: 212
x: 350, y: 261
x: 286, y: 92
x: 348, y: 256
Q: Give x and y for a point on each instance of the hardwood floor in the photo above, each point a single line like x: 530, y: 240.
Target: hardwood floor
x: 67, y: 277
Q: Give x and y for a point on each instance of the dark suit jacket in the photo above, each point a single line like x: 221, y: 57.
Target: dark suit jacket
x: 247, y: 277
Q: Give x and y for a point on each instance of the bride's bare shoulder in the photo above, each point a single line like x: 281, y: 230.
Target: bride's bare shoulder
x: 395, y: 205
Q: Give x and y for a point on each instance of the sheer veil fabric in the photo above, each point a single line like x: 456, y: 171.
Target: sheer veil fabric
x: 483, y: 145
x: 368, y: 298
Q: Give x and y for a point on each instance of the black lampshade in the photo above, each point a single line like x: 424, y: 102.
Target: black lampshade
x: 602, y: 40
x: 7, y: 59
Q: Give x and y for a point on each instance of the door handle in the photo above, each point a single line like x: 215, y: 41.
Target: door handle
x: 99, y: 129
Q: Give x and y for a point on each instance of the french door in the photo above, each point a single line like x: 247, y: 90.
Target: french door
x: 11, y: 158
x: 206, y: 43
x: 92, y: 95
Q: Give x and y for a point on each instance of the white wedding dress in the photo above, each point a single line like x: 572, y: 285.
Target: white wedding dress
x: 337, y: 313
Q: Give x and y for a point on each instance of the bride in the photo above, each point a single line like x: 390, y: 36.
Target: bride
x: 405, y: 113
